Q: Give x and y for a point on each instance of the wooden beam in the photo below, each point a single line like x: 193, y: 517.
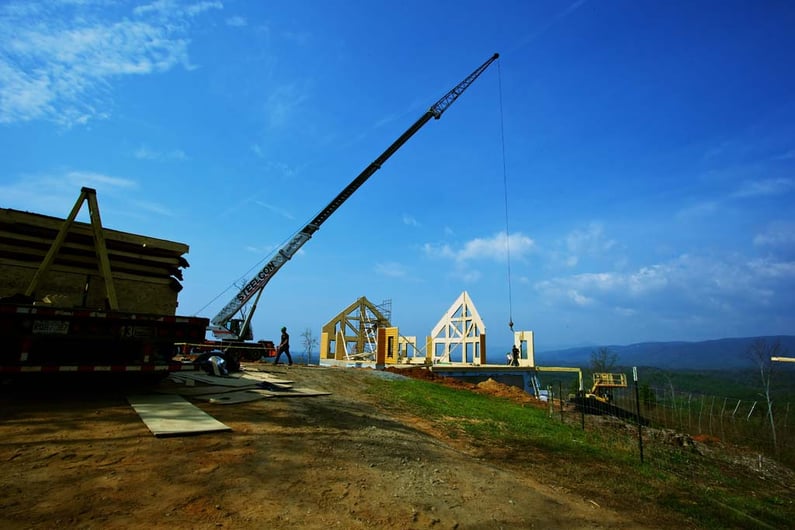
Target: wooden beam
x: 40, y: 244
x: 78, y: 270
x: 56, y: 246
x: 9, y: 216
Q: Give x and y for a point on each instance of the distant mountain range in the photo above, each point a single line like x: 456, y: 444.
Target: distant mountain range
x: 721, y: 354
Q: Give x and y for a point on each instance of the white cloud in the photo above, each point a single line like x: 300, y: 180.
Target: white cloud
x: 688, y: 284
x: 236, y: 22
x: 578, y: 298
x: 152, y: 207
x: 777, y: 235
x: 145, y: 153
x: 176, y: 9
x: 766, y: 187
x: 282, y: 103
x: 589, y: 241
x: 480, y: 249
x: 466, y: 275
x: 55, y: 194
x: 301, y: 38
x: 77, y: 179
x: 787, y: 155
x: 59, y: 62
x: 773, y: 269
x: 409, y: 220
x: 494, y: 248
x: 275, y: 209
x: 699, y: 209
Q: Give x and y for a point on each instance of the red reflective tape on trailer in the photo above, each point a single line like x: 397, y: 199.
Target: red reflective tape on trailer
x: 96, y: 368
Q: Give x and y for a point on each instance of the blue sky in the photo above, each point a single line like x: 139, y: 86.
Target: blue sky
x: 649, y: 155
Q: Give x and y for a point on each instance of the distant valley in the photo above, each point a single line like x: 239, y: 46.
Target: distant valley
x: 720, y: 354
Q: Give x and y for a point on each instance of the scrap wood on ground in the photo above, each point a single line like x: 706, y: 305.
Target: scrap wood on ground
x: 239, y: 388
x: 166, y: 412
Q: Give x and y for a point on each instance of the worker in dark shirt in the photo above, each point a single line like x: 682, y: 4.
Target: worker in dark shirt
x: 284, y: 347
x: 515, y: 356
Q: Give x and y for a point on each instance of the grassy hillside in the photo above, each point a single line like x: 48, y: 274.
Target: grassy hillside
x: 691, y: 485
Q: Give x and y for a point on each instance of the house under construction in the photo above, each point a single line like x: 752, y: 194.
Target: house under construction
x: 362, y: 335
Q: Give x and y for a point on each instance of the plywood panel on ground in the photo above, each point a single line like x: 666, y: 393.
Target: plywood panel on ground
x: 172, y: 415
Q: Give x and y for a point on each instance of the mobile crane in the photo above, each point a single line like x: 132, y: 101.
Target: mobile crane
x: 229, y: 331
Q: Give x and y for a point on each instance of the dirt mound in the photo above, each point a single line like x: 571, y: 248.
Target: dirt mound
x: 490, y: 386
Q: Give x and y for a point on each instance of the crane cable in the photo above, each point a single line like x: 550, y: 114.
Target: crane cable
x: 505, y: 189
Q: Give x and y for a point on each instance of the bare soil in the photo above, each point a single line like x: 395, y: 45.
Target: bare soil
x: 77, y: 456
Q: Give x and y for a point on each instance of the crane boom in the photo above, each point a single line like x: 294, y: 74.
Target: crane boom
x: 284, y: 254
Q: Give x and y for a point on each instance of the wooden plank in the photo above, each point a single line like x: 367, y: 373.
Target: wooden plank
x: 172, y: 415
x: 196, y: 391
x: 263, y: 376
x: 293, y: 392
x: 220, y: 381
x: 144, y: 267
x: 57, y: 267
x: 37, y: 246
x: 54, y: 223
x: 231, y: 398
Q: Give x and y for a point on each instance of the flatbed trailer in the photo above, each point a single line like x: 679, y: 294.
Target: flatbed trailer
x: 76, y: 297
x: 45, y: 339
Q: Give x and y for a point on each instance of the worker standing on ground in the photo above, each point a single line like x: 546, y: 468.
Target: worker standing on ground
x: 284, y: 347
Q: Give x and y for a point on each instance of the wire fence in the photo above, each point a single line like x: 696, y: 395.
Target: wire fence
x: 680, y: 418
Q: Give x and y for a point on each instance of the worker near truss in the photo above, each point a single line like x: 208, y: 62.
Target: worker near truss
x: 284, y: 347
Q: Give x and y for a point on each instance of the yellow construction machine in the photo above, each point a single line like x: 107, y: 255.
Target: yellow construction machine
x: 603, y: 385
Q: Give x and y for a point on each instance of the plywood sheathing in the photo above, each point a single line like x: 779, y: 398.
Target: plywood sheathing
x: 171, y: 415
x: 244, y: 387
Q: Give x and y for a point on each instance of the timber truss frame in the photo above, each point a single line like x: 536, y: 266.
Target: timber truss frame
x: 353, y: 333
x: 460, y: 336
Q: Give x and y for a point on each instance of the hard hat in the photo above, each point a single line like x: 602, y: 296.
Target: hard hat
x: 284, y: 328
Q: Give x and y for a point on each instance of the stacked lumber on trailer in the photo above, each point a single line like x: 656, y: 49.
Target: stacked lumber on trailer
x: 146, y: 271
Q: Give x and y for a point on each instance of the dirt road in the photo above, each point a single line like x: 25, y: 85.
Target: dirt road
x: 78, y: 459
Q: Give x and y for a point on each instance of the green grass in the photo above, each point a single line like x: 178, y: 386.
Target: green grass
x: 705, y: 490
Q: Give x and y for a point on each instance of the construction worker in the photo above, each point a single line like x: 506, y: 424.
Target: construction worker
x: 284, y: 347
x: 515, y: 356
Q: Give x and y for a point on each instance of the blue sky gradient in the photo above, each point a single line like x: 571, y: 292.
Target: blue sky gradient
x: 649, y: 155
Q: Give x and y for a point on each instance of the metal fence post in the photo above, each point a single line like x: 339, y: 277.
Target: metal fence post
x: 637, y: 407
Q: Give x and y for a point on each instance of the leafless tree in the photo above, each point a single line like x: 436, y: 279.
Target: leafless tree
x: 760, y: 352
x: 309, y: 342
x: 603, y: 360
